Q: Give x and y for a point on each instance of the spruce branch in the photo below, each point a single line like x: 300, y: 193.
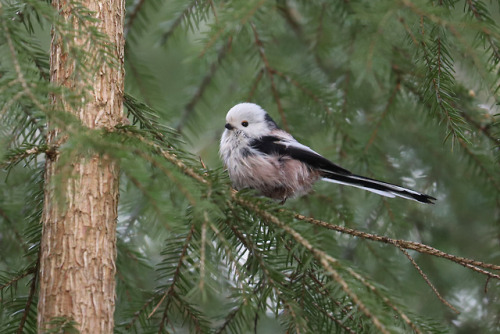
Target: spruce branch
x: 426, y: 279
x: 255, y: 84
x: 419, y: 247
x: 270, y: 72
x: 492, y: 179
x: 11, y: 282
x: 484, y: 171
x: 26, y: 88
x: 305, y: 90
x: 205, y: 83
x: 389, y: 103
x: 241, y: 19
x: 168, y: 173
x: 14, y: 156
x: 324, y: 259
x: 189, y: 10
x: 250, y: 246
x: 481, y: 14
x: 484, y: 129
x: 192, y: 313
x: 329, y: 315
x: 175, y: 278
x: 136, y: 73
x: 322, y: 289
x: 133, y: 14
x: 141, y: 311
x: 413, y: 245
x: 31, y: 296
x: 230, y: 318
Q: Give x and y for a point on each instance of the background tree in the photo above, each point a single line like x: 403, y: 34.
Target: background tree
x: 405, y: 91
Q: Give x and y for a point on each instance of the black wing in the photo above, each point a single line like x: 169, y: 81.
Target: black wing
x: 273, y: 145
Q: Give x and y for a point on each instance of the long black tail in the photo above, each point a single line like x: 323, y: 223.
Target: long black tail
x: 378, y: 187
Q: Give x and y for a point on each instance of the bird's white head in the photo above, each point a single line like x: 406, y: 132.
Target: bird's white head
x: 249, y: 120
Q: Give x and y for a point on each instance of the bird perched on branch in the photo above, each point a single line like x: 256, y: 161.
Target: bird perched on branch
x: 261, y: 156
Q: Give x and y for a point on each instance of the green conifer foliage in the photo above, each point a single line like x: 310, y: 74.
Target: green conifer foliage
x: 406, y: 91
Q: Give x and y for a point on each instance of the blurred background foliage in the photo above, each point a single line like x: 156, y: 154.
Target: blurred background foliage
x: 404, y: 91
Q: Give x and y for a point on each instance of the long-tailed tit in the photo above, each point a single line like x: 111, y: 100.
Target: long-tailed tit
x: 261, y: 156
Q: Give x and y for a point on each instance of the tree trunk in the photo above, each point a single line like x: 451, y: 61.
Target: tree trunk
x: 78, y: 248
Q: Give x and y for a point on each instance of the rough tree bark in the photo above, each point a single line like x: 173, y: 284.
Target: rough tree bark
x: 78, y: 248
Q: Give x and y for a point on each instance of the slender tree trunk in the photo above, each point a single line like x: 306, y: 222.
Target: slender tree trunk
x: 78, y: 248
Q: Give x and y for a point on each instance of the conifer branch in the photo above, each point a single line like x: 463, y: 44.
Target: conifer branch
x: 323, y: 290
x: 305, y: 90
x: 229, y: 254
x: 193, y: 314
x: 334, y: 319
x: 18, y: 235
x: 232, y: 315
x: 426, y: 279
x: 270, y: 73
x: 16, y: 279
x: 137, y: 75
x: 413, y: 245
x: 484, y: 129
x: 419, y: 247
x: 242, y: 21
x: 492, y: 180
x: 484, y: 171
x: 175, y: 277
x: 384, y: 114
x: 31, y: 295
x: 14, y: 156
x: 132, y: 16
x: 21, y: 79
x: 168, y: 173
x: 205, y: 83
x: 255, y: 84
x: 249, y: 245
x: 177, y: 22
x: 144, y: 191
x: 203, y: 250
x: 477, y: 9
x: 324, y: 259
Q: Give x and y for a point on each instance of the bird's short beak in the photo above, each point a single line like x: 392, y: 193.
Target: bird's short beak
x: 229, y: 126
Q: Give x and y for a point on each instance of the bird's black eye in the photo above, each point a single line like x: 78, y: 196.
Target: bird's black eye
x: 244, y: 123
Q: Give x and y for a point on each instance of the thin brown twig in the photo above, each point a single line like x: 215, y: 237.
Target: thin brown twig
x: 132, y: 16
x: 426, y: 279
x: 31, y: 295
x: 413, y: 245
x: 255, y: 84
x: 212, y: 6
x: 167, y: 172
x: 478, y: 17
x: 17, y: 278
x: 175, y: 277
x: 178, y: 21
